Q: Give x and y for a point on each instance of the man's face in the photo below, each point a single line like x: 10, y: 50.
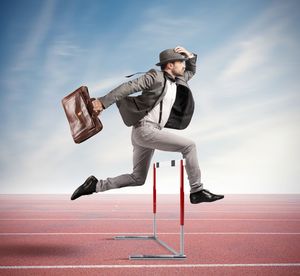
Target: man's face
x: 178, y: 68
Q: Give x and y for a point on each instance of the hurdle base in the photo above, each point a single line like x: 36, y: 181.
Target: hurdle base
x: 157, y: 257
x: 134, y: 238
x: 174, y: 256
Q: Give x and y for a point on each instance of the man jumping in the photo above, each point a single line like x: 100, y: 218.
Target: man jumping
x: 166, y: 102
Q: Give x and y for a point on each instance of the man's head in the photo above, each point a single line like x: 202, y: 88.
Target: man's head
x: 172, y: 62
x: 174, y: 68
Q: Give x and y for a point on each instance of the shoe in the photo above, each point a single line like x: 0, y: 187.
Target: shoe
x: 204, y: 196
x: 87, y: 188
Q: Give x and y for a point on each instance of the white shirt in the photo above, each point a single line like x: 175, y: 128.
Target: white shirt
x: 168, y: 101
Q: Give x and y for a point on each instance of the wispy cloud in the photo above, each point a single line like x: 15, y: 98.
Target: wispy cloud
x: 65, y: 48
x: 35, y: 37
x: 250, y: 55
x: 160, y: 29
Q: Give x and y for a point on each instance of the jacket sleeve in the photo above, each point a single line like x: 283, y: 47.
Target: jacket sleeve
x: 190, y: 68
x: 142, y: 83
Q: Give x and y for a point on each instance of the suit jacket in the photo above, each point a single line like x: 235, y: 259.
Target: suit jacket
x: 152, y: 85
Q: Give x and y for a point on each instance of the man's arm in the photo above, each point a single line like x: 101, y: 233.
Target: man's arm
x: 190, y: 67
x: 142, y: 83
x: 190, y: 64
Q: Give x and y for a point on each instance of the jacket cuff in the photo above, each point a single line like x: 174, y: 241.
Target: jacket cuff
x: 194, y: 58
x: 104, y: 102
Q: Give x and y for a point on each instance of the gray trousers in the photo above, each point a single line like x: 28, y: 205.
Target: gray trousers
x: 145, y: 139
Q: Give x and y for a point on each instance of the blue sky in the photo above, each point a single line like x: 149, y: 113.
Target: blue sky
x: 246, y: 122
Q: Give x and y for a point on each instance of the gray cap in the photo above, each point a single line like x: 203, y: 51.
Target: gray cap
x: 169, y: 55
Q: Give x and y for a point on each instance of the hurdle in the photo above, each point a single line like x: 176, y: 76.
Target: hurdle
x: 175, y: 254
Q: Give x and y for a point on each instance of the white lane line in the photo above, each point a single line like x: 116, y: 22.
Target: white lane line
x: 140, y: 211
x: 148, y: 266
x: 148, y: 233
x: 138, y: 219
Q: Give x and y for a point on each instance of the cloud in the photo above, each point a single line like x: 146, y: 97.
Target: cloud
x: 159, y: 29
x: 64, y: 48
x: 266, y: 161
x: 107, y: 83
x: 35, y: 37
x: 251, y: 55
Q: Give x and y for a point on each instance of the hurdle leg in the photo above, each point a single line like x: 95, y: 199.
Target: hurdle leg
x: 181, y: 208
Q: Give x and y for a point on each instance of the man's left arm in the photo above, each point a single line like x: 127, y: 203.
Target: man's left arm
x: 190, y: 64
x: 190, y: 67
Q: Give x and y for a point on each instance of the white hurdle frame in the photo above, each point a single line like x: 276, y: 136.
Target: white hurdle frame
x: 175, y: 255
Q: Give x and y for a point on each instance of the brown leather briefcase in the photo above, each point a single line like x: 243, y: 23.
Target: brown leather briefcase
x: 84, y: 122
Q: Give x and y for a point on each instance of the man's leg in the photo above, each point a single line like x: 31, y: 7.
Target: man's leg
x: 154, y: 138
x: 151, y: 137
x: 141, y: 162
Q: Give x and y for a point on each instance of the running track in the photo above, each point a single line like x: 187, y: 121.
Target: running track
x: 239, y: 235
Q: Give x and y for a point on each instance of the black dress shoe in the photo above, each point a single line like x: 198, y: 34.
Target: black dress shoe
x: 87, y: 188
x: 204, y: 196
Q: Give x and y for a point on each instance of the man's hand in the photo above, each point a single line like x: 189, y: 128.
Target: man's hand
x: 183, y: 51
x: 97, y: 106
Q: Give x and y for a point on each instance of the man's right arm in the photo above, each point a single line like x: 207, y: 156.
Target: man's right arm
x: 139, y: 84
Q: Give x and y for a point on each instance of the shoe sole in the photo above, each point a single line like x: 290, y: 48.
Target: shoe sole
x: 203, y: 201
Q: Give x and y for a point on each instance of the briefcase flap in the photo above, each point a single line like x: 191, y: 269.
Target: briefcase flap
x: 84, y: 122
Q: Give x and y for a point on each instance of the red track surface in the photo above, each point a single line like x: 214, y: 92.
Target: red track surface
x: 239, y: 235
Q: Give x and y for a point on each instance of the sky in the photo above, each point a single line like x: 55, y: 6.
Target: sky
x: 246, y: 90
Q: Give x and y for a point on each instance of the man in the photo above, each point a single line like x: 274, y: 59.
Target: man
x: 166, y: 102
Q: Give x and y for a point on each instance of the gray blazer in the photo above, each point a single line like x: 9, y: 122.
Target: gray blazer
x: 152, y: 85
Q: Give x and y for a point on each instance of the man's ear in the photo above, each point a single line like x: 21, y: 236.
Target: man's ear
x: 170, y: 65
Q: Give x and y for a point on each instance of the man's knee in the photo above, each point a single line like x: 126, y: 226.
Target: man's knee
x: 190, y: 146
x: 138, y: 180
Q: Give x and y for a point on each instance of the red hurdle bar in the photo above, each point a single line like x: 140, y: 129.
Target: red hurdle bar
x: 175, y: 254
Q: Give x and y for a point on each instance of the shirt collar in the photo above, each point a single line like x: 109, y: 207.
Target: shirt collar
x: 172, y: 79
